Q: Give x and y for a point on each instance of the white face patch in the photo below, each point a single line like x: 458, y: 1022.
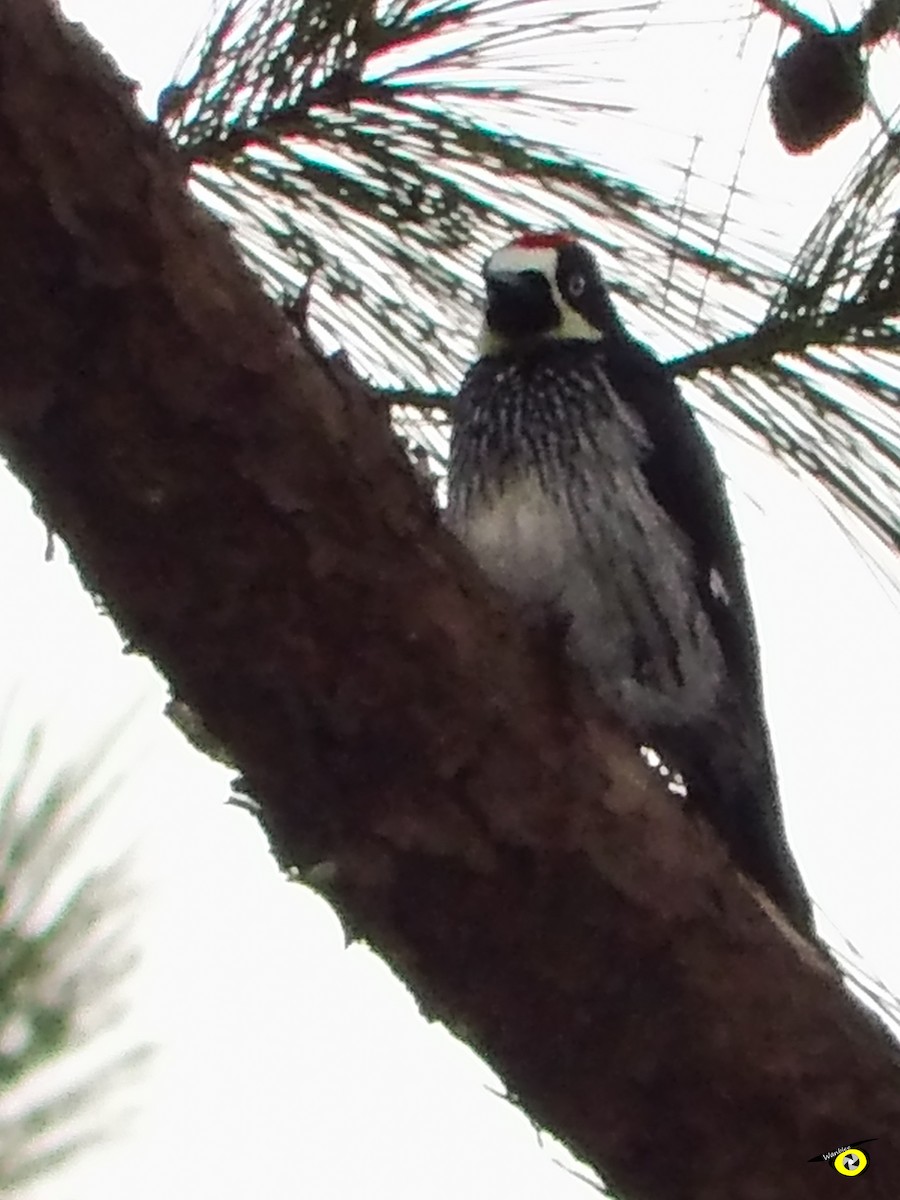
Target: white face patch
x: 515, y: 259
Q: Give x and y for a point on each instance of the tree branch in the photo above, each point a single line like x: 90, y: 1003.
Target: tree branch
x: 254, y: 528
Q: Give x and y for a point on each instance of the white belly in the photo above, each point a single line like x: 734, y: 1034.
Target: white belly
x: 521, y: 538
x: 624, y: 592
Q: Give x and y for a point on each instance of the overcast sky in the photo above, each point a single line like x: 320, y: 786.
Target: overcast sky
x: 291, y: 1065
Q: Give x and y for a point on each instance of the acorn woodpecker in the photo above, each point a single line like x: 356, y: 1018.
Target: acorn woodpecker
x: 584, y: 487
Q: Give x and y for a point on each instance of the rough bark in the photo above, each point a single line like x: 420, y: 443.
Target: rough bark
x: 253, y: 528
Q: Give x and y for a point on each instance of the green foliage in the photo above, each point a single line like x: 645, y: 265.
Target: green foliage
x: 369, y: 155
x: 819, y: 378
x: 377, y: 144
x: 62, y: 956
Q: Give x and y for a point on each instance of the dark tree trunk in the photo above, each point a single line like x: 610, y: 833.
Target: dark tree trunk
x: 253, y: 528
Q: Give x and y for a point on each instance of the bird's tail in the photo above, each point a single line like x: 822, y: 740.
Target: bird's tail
x: 730, y: 779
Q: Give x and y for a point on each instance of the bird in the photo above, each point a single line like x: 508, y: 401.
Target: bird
x: 583, y: 485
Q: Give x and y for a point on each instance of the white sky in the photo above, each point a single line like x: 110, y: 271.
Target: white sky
x: 289, y: 1065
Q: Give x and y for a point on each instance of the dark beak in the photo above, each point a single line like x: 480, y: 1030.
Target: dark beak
x: 519, y: 304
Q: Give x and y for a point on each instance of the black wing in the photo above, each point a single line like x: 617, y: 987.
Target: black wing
x: 731, y: 765
x: 686, y: 481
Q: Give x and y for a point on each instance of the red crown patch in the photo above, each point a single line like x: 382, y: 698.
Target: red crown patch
x: 543, y: 241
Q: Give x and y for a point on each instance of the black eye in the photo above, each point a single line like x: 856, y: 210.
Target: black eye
x: 576, y: 285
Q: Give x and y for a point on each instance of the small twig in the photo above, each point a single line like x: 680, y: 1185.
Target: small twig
x: 790, y: 16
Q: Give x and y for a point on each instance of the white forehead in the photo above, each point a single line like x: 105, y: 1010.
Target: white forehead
x: 516, y: 258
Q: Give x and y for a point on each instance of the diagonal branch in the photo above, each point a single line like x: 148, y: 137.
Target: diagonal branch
x: 253, y: 527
